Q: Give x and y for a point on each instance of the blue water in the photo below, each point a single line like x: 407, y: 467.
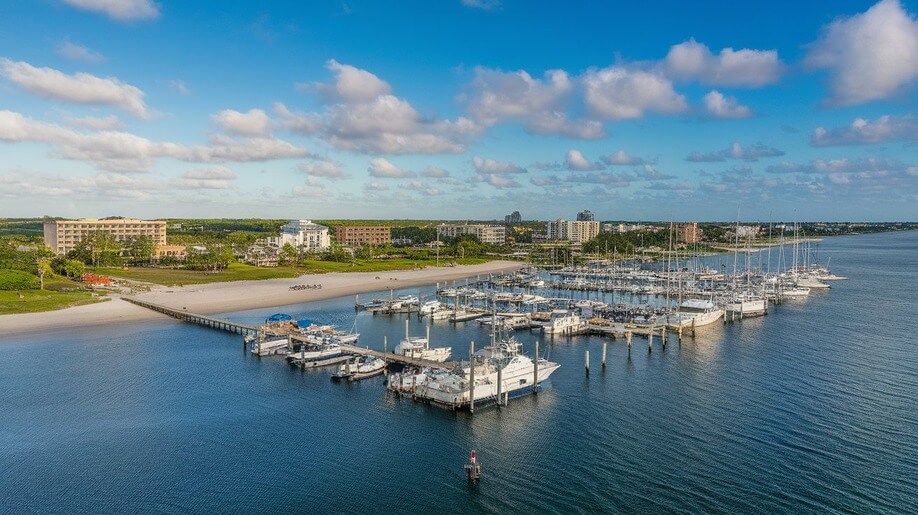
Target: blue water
x: 813, y: 408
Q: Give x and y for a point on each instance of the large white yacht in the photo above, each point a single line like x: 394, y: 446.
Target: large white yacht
x: 419, y: 347
x: 698, y: 313
x: 563, y: 322
x: 517, y: 373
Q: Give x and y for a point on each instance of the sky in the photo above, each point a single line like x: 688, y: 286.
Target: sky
x: 459, y: 109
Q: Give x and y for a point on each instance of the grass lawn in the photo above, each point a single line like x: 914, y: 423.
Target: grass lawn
x: 169, y: 277
x: 43, y: 300
x: 243, y: 272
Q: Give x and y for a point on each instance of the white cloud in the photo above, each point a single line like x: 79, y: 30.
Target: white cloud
x: 80, y: 88
x: 497, y: 180
x: 304, y: 123
x: 326, y: 169
x: 557, y: 123
x: 91, y: 122
x: 120, y: 10
x: 735, y: 151
x: 692, y: 60
x: 576, y: 161
x: 621, y: 158
x: 435, y: 171
x: 867, y: 132
x: 76, y: 52
x: 494, y: 167
x: 367, y: 118
x: 617, y: 93
x: 497, y: 94
x: 423, y: 188
x: 484, y: 5
x: 255, y: 122
x: 125, y: 152
x: 383, y: 168
x: 869, y: 56
x: 376, y: 186
x: 720, y: 106
x: 353, y: 84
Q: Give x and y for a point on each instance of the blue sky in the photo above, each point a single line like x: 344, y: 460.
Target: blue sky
x: 459, y: 109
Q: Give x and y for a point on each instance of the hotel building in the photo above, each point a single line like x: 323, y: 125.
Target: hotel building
x: 492, y: 234
x: 62, y: 236
x: 363, y: 235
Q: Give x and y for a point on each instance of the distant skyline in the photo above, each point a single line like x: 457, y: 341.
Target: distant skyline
x: 459, y: 109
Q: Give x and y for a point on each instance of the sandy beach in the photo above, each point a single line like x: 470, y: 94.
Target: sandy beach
x: 241, y: 295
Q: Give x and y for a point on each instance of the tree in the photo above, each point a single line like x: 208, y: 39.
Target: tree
x: 44, y: 268
x: 287, y: 255
x: 140, y: 248
x: 74, y: 268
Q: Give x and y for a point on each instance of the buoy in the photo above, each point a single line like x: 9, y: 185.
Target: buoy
x: 473, y: 468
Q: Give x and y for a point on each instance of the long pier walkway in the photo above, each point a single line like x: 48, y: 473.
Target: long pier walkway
x: 194, y: 318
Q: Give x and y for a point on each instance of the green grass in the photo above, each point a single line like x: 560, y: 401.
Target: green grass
x: 34, y: 301
x: 169, y: 277
x: 243, y: 272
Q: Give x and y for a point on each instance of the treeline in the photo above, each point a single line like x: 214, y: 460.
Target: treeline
x: 626, y: 243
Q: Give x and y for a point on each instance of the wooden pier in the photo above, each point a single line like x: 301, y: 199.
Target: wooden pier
x: 194, y: 318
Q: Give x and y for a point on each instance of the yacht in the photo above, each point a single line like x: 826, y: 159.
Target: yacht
x: 746, y: 307
x: 498, y: 370
x: 563, y: 322
x: 269, y: 347
x: 309, y: 356
x: 429, y: 307
x: 418, y: 347
x: 699, y: 312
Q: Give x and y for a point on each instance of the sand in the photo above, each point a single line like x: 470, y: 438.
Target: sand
x: 240, y: 295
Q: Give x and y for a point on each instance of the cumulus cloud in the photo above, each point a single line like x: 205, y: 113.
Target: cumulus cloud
x: 621, y: 158
x: 735, y: 151
x: 80, y: 88
x: 376, y: 186
x: 498, y: 181
x: 869, y: 56
x: 366, y: 117
x: 494, y: 167
x: 497, y: 94
x: 867, y: 132
x: 383, y: 168
x: 619, y: 93
x: 91, y: 122
x: 836, y: 166
x: 125, y: 152
x: 719, y: 106
x: 119, y: 10
x: 692, y: 60
x: 304, y: 123
x: 326, y: 169
x: 557, y: 123
x: 435, y: 172
x: 255, y: 122
x: 423, y: 188
x: 577, y: 162
x: 76, y: 52
x: 179, y: 87
x: 353, y: 84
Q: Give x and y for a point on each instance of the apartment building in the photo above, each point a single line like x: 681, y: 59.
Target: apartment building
x: 575, y: 231
x: 492, y: 234
x: 363, y: 235
x: 62, y: 236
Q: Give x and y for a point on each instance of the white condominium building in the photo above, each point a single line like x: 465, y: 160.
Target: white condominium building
x: 492, y: 234
x: 302, y: 233
x: 582, y: 231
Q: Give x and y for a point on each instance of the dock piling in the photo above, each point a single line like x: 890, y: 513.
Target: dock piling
x: 650, y: 340
x: 535, y: 370
x: 472, y: 377
x: 586, y: 362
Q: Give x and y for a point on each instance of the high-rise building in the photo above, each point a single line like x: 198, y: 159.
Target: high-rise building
x: 62, y: 236
x: 363, y: 235
x: 690, y: 233
x: 302, y: 233
x: 580, y: 231
x: 513, y: 218
x: 585, y: 216
x: 492, y: 234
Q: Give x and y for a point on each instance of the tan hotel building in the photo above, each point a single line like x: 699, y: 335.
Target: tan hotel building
x: 62, y: 236
x: 363, y: 235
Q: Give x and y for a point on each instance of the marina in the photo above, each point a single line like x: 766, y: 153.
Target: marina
x: 756, y: 389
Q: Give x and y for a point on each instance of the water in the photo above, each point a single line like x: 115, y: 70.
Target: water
x: 810, y: 409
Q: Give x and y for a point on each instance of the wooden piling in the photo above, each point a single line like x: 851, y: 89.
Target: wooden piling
x: 500, y: 381
x: 385, y: 344
x: 586, y: 362
x: 604, y: 355
x: 650, y: 340
x: 628, y: 339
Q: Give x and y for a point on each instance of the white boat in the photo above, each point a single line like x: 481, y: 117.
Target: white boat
x: 746, y: 307
x: 310, y: 356
x: 811, y: 283
x: 418, y: 347
x: 499, y: 374
x: 360, y: 368
x: 329, y: 335
x: 442, y: 314
x: 429, y: 307
x: 698, y: 313
x: 270, y: 347
x: 564, y: 322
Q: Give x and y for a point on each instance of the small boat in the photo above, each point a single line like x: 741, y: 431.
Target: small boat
x: 360, y: 368
x: 418, y: 347
x: 270, y: 347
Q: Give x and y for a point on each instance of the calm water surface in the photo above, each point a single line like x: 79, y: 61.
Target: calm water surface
x: 813, y: 408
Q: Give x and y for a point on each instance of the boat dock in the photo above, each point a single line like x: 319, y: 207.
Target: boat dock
x: 194, y: 318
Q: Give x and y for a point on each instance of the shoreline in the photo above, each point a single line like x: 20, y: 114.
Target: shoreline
x: 216, y: 298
